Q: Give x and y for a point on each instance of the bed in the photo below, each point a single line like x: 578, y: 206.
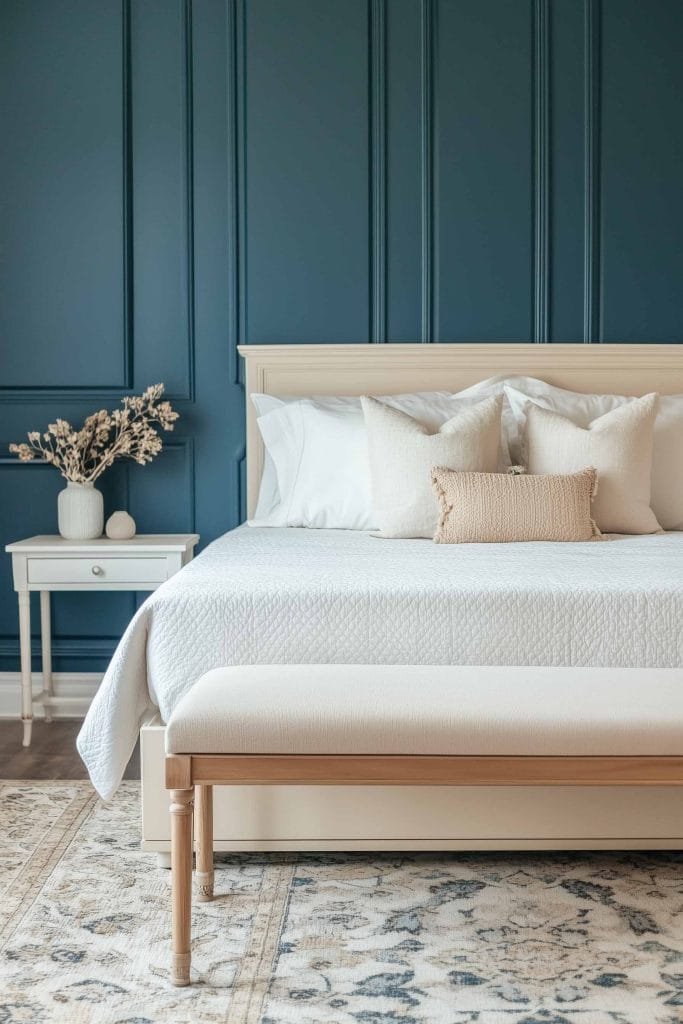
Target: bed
x: 303, y: 596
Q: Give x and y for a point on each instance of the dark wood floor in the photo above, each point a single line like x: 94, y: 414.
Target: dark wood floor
x: 52, y: 754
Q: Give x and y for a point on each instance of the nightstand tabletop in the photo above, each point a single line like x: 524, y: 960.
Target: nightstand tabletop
x: 58, y: 545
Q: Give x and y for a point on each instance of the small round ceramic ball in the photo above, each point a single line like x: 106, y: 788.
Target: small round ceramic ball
x: 120, y: 526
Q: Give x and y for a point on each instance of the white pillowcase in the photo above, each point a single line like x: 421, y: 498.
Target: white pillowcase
x: 320, y: 455
x: 316, y: 471
x: 268, y: 493
x: 403, y: 453
x: 667, y: 452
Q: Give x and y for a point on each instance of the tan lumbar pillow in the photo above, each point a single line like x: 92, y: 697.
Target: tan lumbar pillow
x: 402, y: 452
x: 496, y: 508
x: 618, y: 444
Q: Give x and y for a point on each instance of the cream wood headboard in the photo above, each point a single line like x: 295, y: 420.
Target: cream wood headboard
x: 394, y: 369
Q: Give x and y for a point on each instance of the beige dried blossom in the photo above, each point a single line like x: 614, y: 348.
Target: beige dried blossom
x: 127, y: 433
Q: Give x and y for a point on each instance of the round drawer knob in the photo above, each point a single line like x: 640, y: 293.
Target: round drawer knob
x: 97, y: 570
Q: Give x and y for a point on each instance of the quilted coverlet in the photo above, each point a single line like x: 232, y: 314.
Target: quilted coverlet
x: 278, y: 596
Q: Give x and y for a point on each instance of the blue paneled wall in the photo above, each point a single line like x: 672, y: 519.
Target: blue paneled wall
x: 180, y: 176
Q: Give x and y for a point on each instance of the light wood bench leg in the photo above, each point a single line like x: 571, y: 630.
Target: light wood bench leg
x: 181, y: 884
x: 190, y: 773
x: 203, y: 809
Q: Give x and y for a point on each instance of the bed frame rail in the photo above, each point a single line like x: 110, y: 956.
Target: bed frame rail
x: 420, y: 770
x: 191, y: 778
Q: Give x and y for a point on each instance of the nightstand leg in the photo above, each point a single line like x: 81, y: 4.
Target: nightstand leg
x: 46, y: 646
x: 25, y: 651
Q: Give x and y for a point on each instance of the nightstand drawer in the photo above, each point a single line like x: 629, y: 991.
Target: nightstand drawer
x: 96, y: 570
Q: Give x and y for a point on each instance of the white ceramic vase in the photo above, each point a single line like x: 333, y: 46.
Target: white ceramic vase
x: 80, y: 512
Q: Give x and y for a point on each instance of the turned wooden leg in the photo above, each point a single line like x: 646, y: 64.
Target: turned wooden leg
x: 46, y: 646
x: 203, y: 809
x: 181, y: 884
x: 25, y: 650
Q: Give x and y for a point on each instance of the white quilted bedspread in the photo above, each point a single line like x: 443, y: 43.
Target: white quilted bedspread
x: 274, y: 596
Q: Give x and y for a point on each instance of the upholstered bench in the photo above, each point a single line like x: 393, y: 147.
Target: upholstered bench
x: 429, y: 725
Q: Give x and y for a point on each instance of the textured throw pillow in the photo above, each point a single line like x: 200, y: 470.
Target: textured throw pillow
x: 618, y: 444
x: 496, y: 508
x: 667, y: 448
x: 403, y: 451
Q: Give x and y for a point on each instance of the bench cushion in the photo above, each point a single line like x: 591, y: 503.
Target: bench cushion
x: 430, y: 709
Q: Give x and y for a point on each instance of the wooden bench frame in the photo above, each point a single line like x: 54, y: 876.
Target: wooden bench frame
x: 191, y: 777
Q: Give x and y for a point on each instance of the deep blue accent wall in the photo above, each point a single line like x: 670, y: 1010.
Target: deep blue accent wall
x: 641, y: 170
x: 484, y: 180
x: 64, y: 186
x: 181, y: 176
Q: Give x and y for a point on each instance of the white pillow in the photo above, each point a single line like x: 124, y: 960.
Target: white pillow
x: 404, y: 451
x: 268, y: 494
x: 320, y: 455
x: 618, y: 445
x: 667, y: 451
x: 316, y: 470
x: 426, y: 404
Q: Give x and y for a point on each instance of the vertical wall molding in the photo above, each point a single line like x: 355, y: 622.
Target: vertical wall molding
x: 127, y: 197
x: 237, y: 214
x: 378, y: 169
x: 240, y: 64
x: 188, y: 78
x: 591, y: 292
x: 541, y: 311
x: 233, y: 190
x: 186, y: 445
x: 428, y: 170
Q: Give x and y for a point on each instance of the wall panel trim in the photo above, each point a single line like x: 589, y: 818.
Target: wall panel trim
x: 188, y: 74
x: 127, y: 197
x: 41, y: 393
x: 72, y: 647
x: 82, y: 685
x: 592, y: 278
x: 378, y: 169
x: 429, y: 121
x: 236, y: 222
x: 188, y: 444
x: 541, y: 16
x: 13, y: 460
x: 234, y: 190
x: 240, y: 65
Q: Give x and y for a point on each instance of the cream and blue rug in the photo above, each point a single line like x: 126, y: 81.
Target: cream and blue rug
x: 335, y: 939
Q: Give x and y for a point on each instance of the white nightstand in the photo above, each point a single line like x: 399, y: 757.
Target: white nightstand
x: 52, y: 563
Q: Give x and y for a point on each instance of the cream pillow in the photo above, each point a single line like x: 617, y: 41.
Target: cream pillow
x: 618, y: 444
x: 496, y: 508
x: 403, y: 451
x: 667, y: 448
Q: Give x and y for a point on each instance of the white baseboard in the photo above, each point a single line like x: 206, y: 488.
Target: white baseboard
x: 82, y: 685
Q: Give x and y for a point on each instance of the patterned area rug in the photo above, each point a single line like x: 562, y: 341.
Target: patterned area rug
x: 339, y: 939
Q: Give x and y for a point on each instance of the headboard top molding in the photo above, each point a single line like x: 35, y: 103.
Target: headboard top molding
x: 393, y: 369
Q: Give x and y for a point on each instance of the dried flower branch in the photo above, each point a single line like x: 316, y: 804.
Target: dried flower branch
x: 127, y: 433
